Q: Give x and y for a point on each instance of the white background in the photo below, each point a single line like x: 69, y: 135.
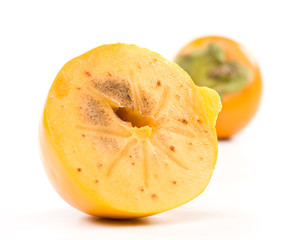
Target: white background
x: 254, y: 192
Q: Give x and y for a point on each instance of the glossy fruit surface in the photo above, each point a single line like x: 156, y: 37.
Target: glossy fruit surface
x: 126, y: 133
x: 226, y: 66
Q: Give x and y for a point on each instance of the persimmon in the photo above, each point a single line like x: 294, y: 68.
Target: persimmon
x: 227, y: 67
x: 126, y: 133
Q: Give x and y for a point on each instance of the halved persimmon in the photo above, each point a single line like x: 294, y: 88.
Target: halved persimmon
x: 228, y: 68
x: 126, y: 133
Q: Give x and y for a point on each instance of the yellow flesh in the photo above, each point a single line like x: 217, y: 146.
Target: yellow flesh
x: 126, y: 133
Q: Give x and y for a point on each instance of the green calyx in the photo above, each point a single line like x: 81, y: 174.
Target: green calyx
x: 209, y: 67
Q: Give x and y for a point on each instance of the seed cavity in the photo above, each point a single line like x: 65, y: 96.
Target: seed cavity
x: 134, y: 118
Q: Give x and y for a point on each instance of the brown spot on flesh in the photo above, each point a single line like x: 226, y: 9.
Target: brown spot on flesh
x: 174, y: 182
x: 158, y: 83
x: 79, y: 169
x: 184, y: 121
x: 109, y: 143
x: 94, y: 113
x: 177, y: 97
x: 116, y: 89
x: 153, y: 196
x: 147, y: 103
x: 142, y: 189
x: 96, y: 181
x: 82, y: 135
x: 199, y: 121
x: 78, y: 88
x: 99, y: 165
x: 88, y: 73
x: 132, y: 164
x: 172, y: 148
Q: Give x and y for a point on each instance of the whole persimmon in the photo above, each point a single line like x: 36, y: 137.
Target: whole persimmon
x: 227, y: 67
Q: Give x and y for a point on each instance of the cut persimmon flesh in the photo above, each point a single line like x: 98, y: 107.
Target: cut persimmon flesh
x: 126, y: 133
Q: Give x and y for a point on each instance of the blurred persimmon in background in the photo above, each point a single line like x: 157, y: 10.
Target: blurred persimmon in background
x: 227, y: 67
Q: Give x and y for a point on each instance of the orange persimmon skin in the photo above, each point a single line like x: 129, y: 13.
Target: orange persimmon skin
x: 238, y: 108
